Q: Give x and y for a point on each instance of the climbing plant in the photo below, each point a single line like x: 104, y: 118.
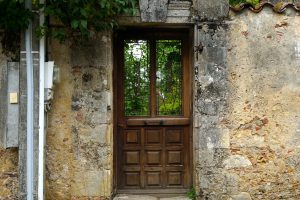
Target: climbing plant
x: 81, y: 19
x: 237, y: 2
x: 13, y: 19
x: 77, y: 20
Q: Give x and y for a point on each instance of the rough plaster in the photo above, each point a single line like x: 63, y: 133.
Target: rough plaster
x: 265, y: 102
x: 9, y: 174
x: 79, y: 138
x: 246, y: 111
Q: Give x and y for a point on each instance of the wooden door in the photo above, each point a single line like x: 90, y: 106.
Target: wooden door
x: 153, y: 109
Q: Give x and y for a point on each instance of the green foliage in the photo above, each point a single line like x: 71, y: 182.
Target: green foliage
x: 168, y: 77
x: 13, y: 19
x: 13, y: 16
x: 192, y: 194
x: 237, y: 2
x: 78, y: 19
x: 81, y: 19
x: 137, y: 80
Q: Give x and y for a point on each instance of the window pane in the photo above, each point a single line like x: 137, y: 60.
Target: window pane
x: 169, y: 77
x: 137, y: 81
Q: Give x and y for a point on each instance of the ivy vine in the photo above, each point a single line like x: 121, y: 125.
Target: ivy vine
x: 81, y: 19
x: 13, y: 19
x: 78, y: 19
x: 237, y: 2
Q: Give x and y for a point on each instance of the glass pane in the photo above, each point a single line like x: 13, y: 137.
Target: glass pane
x: 137, y: 81
x: 169, y: 77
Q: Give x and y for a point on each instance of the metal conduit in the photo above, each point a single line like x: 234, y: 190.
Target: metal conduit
x: 30, y: 89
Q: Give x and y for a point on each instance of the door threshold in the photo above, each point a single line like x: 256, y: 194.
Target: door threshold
x: 150, y: 197
x: 154, y: 192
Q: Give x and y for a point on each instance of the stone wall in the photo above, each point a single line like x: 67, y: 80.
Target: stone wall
x: 247, y: 105
x: 246, y: 108
x: 8, y: 174
x: 79, y: 158
x: 8, y: 157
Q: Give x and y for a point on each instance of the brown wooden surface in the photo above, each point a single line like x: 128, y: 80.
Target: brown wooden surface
x: 152, y: 153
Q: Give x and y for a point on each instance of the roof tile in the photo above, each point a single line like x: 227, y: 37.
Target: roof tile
x: 279, y: 6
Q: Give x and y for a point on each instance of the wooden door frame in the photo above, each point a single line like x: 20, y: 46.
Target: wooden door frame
x: 189, y: 81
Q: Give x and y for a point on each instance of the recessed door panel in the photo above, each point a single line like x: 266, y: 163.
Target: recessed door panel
x: 175, y: 179
x: 174, y: 157
x: 132, y: 157
x: 153, y: 158
x: 132, y: 137
x: 153, y: 137
x: 153, y: 179
x: 132, y: 179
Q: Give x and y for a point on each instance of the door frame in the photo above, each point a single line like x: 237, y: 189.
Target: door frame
x: 189, y: 62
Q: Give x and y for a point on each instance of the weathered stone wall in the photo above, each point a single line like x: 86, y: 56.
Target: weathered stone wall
x: 8, y: 157
x: 79, y: 161
x: 246, y: 108
x: 79, y: 136
x: 8, y: 174
x: 247, y: 105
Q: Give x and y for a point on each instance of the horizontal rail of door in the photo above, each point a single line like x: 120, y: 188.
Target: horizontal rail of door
x: 157, y: 122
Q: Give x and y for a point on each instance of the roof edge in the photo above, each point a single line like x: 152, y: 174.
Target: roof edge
x: 278, y: 7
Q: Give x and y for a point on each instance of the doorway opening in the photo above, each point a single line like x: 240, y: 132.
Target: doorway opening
x: 152, y: 109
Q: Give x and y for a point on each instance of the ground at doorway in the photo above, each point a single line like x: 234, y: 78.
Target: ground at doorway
x: 144, y: 197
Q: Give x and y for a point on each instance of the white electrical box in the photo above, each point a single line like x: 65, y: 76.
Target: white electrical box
x: 49, y: 73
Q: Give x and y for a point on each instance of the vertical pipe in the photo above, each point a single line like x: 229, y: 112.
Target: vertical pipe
x: 41, y: 163
x: 29, y: 70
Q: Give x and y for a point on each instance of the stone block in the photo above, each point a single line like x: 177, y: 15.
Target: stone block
x: 242, y: 196
x: 212, y: 34
x: 94, y: 183
x: 176, y: 198
x: 216, y: 55
x: 232, y: 182
x: 213, y: 138
x: 153, y: 10
x: 236, y: 161
x: 212, y: 9
x: 134, y: 197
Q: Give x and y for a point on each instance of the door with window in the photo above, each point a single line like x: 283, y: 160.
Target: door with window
x: 152, y: 111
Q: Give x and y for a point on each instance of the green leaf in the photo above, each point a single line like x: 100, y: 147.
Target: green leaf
x: 83, y: 23
x: 84, y: 12
x: 74, y: 24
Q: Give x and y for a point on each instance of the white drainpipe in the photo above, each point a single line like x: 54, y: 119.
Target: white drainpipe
x: 30, y: 89
x: 41, y: 163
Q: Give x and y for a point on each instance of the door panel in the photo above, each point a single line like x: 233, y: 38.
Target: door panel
x: 154, y: 156
x: 153, y: 111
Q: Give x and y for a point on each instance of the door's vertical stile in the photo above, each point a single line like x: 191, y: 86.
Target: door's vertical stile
x: 164, y: 152
x: 188, y: 109
x: 186, y: 79
x: 153, y: 77
x: 120, y: 102
x: 119, y: 160
x: 120, y: 107
x: 186, y: 156
x: 142, y: 154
